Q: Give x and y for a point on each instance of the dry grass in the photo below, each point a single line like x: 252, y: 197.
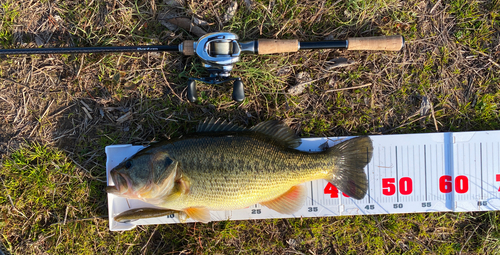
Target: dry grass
x: 75, y: 105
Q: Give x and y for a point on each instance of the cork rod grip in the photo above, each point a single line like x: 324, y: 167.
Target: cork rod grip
x: 188, y: 48
x: 389, y: 43
x: 270, y: 46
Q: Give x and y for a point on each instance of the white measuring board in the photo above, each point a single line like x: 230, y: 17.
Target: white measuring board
x: 436, y: 172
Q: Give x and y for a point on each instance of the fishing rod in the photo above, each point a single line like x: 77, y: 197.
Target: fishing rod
x: 219, y: 51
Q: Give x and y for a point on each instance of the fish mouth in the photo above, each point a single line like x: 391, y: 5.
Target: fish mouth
x: 121, y: 184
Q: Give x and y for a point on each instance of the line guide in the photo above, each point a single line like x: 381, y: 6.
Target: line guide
x: 437, y: 172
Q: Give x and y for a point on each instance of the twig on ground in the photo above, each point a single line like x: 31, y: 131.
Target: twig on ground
x: 151, y: 236
x: 22, y: 85
x: 468, y: 239
x: 84, y: 169
x: 486, y: 55
x: 404, y: 124
x: 435, y: 6
x: 355, y: 87
x: 61, y: 111
x: 10, y: 199
x: 168, y: 84
x: 434, y: 117
x: 40, y: 121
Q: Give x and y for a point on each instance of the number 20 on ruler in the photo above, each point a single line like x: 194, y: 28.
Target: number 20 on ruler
x: 406, y: 186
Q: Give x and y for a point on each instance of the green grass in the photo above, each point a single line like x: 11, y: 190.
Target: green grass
x: 474, y: 28
x: 8, y: 16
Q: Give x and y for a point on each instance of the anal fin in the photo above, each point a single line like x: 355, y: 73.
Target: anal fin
x: 201, y: 214
x: 290, y: 202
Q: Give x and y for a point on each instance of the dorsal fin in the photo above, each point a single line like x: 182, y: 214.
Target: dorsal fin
x: 278, y: 131
x: 217, y: 125
x: 274, y: 130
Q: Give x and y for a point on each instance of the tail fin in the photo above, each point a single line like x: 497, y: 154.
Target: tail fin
x: 350, y: 158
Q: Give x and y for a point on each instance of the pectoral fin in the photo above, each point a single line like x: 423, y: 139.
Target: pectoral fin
x: 142, y: 213
x: 201, y: 214
x: 181, y: 187
x: 290, y: 202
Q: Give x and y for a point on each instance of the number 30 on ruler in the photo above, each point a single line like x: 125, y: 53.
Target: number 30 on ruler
x: 406, y: 186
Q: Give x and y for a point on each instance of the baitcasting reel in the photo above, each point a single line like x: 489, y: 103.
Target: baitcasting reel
x: 219, y: 51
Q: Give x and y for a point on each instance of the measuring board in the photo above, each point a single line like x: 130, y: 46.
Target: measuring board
x: 437, y: 172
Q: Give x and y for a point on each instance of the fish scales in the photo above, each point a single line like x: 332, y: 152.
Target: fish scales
x: 237, y: 172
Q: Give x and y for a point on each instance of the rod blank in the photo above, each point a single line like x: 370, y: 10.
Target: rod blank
x: 146, y: 48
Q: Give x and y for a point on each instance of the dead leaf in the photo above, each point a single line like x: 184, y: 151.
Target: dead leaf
x: 425, y: 106
x: 284, y: 71
x: 39, y: 41
x: 124, y: 117
x: 200, y: 22
x: 187, y: 25
x: 165, y: 16
x: 249, y: 4
x: 174, y: 3
x: 339, y: 62
x: 329, y: 38
x: 303, y: 77
x: 302, y: 80
x: 231, y: 11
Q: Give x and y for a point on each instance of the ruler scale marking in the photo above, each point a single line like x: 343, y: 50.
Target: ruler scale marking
x: 406, y: 185
x: 397, y: 178
x: 481, y: 162
x: 425, y: 171
x: 416, y: 177
x: 419, y: 198
x: 368, y: 175
x: 312, y: 195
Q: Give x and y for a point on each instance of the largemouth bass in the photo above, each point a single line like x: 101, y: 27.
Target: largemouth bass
x: 226, y: 167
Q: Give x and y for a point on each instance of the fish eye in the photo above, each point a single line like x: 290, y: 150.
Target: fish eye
x: 128, y: 164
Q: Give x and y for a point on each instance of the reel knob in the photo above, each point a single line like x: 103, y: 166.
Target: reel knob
x: 238, y: 91
x: 191, y: 91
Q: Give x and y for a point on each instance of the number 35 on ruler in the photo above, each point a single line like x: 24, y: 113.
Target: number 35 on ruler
x: 406, y: 186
